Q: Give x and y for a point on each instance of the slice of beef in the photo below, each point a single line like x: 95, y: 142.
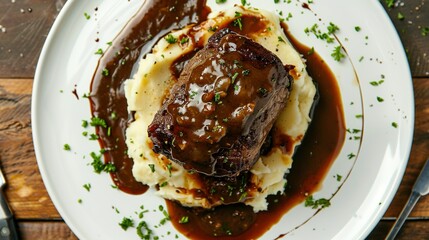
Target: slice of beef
x: 222, y: 107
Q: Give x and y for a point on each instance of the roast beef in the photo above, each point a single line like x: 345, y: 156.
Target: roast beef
x: 218, y: 114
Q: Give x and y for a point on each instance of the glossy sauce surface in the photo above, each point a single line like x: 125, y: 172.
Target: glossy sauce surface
x: 153, y: 20
x: 223, y: 106
x: 311, y: 162
x: 318, y: 150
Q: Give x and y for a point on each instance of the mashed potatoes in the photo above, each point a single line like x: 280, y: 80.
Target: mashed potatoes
x: 146, y: 91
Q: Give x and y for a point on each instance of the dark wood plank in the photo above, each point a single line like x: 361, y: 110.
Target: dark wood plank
x: 419, y: 153
x: 412, y: 229
x: 26, y: 32
x: 25, y: 190
x: 415, y: 18
x: 45, y: 230
x: 26, y: 24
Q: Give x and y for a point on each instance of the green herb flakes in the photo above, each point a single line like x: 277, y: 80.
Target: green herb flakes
x: 184, y: 219
x: 96, y: 121
x: 170, y: 39
x: 105, y: 72
x: 351, y: 155
x: 67, y: 147
x: 126, y: 223
x: 234, y: 77
x: 87, y: 16
x: 87, y: 186
x: 380, y: 99
x: 99, y: 51
x: 143, y: 231
x: 84, y: 123
x: 220, y: 1
x: 184, y: 40
x: 337, y: 54
x: 357, y: 29
x: 425, y: 31
x: 339, y: 177
x: 319, y: 203
x: 152, y: 167
x: 390, y: 3
x: 395, y: 124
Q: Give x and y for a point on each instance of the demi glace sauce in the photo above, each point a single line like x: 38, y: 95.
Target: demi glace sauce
x: 320, y: 146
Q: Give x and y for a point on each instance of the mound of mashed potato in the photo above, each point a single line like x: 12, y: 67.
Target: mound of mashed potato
x: 145, y: 93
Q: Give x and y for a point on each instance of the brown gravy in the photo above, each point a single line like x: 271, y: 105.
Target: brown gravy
x: 312, y: 160
x: 154, y: 19
x: 321, y: 145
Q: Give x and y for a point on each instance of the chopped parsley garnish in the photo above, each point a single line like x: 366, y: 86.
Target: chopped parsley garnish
x: 184, y: 219
x: 169, y: 167
x: 217, y: 97
x: 358, y: 116
x: 67, y: 147
x: 93, y: 136
x: 280, y: 39
x: 96, y: 121
x: 262, y: 92
x: 213, y: 28
x: 425, y: 31
x: 126, y: 223
x: 99, y: 51
x: 339, y: 177
x: 163, y: 184
x: 375, y: 83
x: 152, y: 167
x: 79, y: 200
x: 234, y: 77
x: 245, y: 72
x: 311, y: 51
x: 380, y: 99
x: 351, y: 155
x: 242, y: 197
x: 105, y: 72
x: 170, y: 39
x: 184, y: 40
x: 236, y: 88
x: 395, y: 124
x: 99, y: 166
x: 237, y: 22
x: 332, y: 28
x: 87, y: 16
x: 220, y: 1
x: 193, y: 94
x: 390, y: 3
x: 401, y: 16
x: 243, y: 2
x: 109, y: 167
x: 113, y: 115
x: 357, y: 28
x: 276, y: 1
x: 319, y: 203
x: 143, y: 230
x: 87, y: 186
x: 337, y: 54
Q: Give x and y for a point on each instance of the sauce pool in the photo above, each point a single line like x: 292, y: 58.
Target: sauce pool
x: 315, y: 155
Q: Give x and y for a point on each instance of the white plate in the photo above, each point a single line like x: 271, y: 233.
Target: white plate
x: 369, y: 181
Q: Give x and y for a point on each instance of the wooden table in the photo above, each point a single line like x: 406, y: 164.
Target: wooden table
x: 24, y: 25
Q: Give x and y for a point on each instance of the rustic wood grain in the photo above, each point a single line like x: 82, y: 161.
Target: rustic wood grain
x: 26, y: 24
x: 412, y: 229
x: 419, y: 153
x: 45, y: 230
x: 25, y: 191
x: 415, y: 17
